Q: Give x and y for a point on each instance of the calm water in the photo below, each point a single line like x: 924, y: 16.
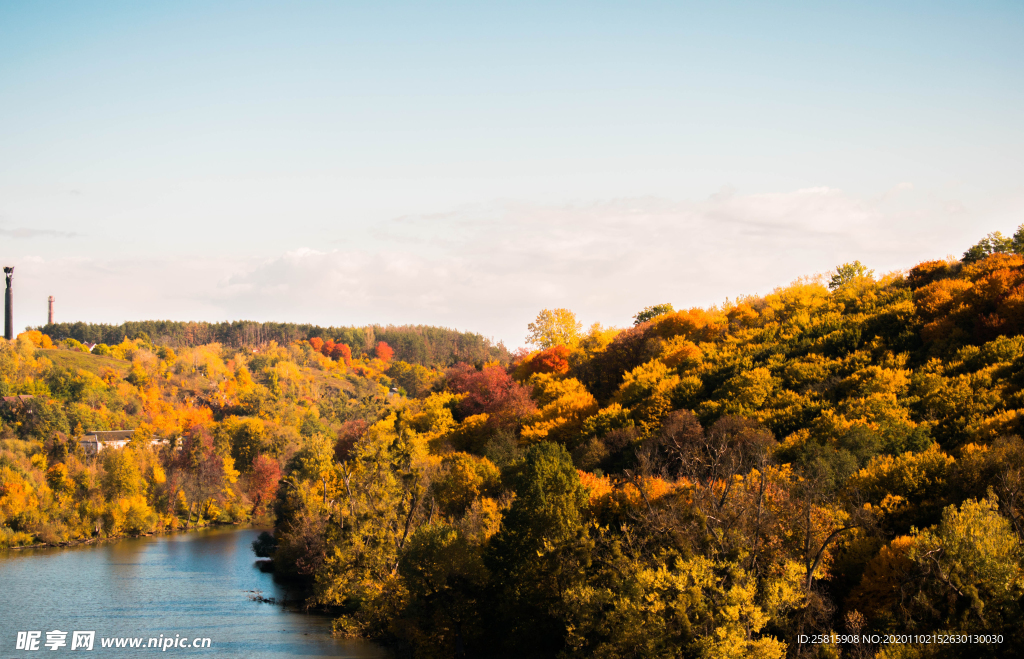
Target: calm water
x: 192, y: 584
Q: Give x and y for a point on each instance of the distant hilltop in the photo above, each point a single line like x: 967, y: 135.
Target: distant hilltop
x: 417, y: 344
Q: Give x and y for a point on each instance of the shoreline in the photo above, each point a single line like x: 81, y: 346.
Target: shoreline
x: 99, y: 540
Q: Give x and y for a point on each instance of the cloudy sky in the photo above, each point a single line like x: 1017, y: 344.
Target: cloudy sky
x: 467, y: 164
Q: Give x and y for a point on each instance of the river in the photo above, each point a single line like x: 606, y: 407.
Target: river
x: 188, y: 585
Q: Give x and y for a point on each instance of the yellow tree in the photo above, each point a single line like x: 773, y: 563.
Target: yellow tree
x: 972, y: 563
x: 564, y: 404
x: 554, y: 327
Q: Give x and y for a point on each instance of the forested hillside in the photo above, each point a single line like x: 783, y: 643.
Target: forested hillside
x: 838, y: 457
x: 418, y: 344
x: 841, y: 456
x: 231, y: 418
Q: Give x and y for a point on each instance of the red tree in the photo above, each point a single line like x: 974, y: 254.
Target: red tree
x: 384, y: 352
x: 266, y: 474
x: 317, y: 343
x: 200, y: 469
x: 491, y: 391
x: 342, y: 351
x: 553, y: 360
x: 328, y: 348
x: 349, y: 433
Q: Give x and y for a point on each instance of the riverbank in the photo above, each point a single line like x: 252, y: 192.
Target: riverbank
x: 195, y: 584
x: 117, y: 538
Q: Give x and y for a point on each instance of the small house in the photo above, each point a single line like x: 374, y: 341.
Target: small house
x: 97, y: 440
x: 17, y: 400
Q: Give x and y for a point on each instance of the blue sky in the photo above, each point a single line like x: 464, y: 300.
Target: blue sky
x: 469, y: 164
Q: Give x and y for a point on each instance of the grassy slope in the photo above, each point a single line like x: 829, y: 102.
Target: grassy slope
x: 85, y: 361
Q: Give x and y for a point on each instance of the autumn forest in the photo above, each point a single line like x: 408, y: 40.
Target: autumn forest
x: 840, y: 458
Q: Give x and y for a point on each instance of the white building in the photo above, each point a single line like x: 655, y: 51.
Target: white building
x: 97, y: 440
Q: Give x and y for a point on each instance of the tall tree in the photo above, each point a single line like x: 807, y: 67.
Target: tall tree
x: 652, y: 312
x: 554, y: 327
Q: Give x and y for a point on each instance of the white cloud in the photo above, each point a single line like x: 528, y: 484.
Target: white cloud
x: 22, y: 233
x: 491, y: 268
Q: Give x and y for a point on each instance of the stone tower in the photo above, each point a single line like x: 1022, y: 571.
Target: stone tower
x: 49, y: 317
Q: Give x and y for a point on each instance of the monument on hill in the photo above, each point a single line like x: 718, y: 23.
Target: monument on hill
x: 9, y: 306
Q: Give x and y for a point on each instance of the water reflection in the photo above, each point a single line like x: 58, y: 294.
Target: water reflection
x: 192, y: 584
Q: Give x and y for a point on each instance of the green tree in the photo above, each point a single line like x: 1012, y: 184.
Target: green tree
x: 59, y: 481
x: 533, y: 555
x: 445, y: 574
x: 548, y: 505
x: 248, y: 439
x: 972, y: 563
x: 378, y: 494
x: 415, y: 379
x: 554, y: 327
x: 122, y: 476
x: 463, y: 479
x: 44, y: 418
x: 312, y: 424
x: 652, y: 312
x: 138, y: 375
x: 995, y: 243
x: 847, y: 273
x: 642, y: 607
